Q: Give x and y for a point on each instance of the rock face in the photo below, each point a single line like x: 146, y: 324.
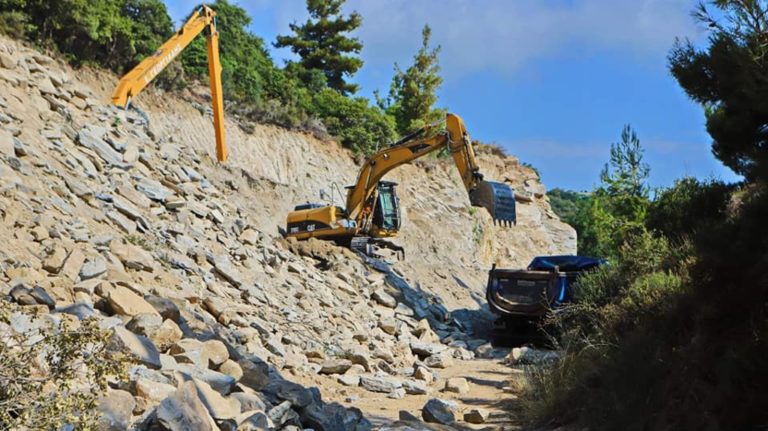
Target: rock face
x: 125, y: 218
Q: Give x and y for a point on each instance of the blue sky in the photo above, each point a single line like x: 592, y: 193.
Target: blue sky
x: 552, y: 81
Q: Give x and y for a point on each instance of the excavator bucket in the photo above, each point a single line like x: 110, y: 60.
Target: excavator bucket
x: 497, y: 198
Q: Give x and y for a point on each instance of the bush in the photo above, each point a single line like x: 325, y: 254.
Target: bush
x: 52, y: 375
x: 669, y: 337
x: 13, y: 23
x: 607, y: 328
x: 356, y: 124
x: 492, y: 148
x: 688, y: 206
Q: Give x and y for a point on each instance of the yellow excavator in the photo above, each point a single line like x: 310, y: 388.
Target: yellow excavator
x: 130, y: 85
x: 372, y: 210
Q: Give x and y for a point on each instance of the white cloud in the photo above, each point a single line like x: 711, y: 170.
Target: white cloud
x: 503, y: 35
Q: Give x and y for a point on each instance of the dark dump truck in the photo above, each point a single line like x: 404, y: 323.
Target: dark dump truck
x: 522, y: 297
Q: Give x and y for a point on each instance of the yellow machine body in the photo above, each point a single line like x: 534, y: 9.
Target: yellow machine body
x: 372, y: 207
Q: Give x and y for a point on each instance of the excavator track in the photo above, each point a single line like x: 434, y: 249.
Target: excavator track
x: 372, y: 247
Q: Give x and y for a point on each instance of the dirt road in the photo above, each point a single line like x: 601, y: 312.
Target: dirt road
x: 490, y: 382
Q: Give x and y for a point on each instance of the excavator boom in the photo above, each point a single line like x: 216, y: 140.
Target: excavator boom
x: 142, y: 75
x: 497, y: 198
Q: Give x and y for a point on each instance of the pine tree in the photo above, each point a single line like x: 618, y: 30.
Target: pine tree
x: 730, y: 80
x: 321, y: 43
x: 619, y: 205
x: 413, y: 92
x: 626, y: 173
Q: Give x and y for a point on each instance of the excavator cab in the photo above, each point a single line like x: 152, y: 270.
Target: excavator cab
x: 386, y: 215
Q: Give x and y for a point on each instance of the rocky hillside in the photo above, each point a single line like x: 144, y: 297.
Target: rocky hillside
x: 128, y: 219
x: 449, y: 245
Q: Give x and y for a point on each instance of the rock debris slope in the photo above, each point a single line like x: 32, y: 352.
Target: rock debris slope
x: 107, y: 214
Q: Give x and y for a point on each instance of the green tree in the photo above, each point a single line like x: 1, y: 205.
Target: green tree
x: 322, y: 44
x: 730, y: 79
x: 413, y: 93
x: 619, y: 205
x: 357, y: 125
x: 151, y: 26
x: 246, y: 66
x: 567, y: 204
x: 573, y: 208
x: 249, y: 76
x: 690, y: 206
x: 113, y: 33
x: 624, y: 177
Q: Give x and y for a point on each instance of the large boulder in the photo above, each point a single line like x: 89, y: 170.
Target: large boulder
x: 335, y: 366
x: 255, y: 374
x: 216, y: 352
x: 133, y: 257
x: 124, y: 301
x: 167, y: 308
x: 283, y: 390
x: 384, y: 298
x: 380, y: 384
x: 476, y: 416
x: 415, y: 387
x: 166, y: 335
x: 330, y: 417
x: 136, y: 346
x: 115, y: 410
x: 184, y: 411
x: 458, y: 385
x: 220, y: 382
x: 439, y: 411
x: 218, y: 406
x: 153, y: 391
x: 528, y: 356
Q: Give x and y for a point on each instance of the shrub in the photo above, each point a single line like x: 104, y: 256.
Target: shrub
x: 669, y: 337
x: 357, y: 125
x: 13, y: 23
x: 51, y: 376
x: 604, y: 331
x: 688, y: 206
x: 114, y: 33
x: 492, y: 148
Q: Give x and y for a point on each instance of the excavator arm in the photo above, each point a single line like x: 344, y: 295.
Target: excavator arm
x: 497, y: 198
x: 137, y: 79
